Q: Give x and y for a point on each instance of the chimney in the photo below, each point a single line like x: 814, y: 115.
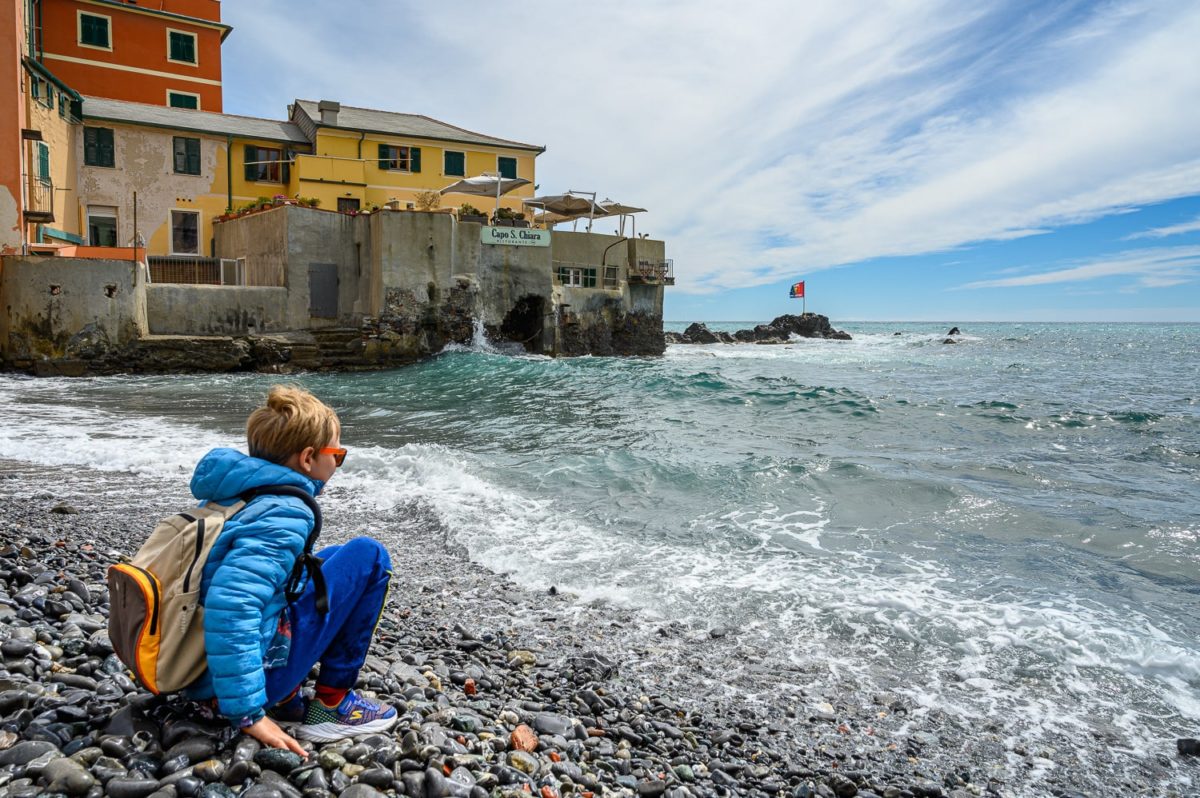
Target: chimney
x: 329, y: 112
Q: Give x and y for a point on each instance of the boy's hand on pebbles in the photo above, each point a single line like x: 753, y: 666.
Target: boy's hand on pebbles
x: 267, y: 732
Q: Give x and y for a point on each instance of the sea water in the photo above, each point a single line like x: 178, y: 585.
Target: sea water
x: 1005, y: 529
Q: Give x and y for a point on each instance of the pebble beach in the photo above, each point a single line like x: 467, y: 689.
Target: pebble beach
x: 502, y: 691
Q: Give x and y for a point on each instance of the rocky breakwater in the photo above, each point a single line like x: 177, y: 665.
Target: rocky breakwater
x: 779, y: 331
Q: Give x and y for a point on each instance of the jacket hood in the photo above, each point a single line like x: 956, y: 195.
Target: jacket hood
x: 226, y: 473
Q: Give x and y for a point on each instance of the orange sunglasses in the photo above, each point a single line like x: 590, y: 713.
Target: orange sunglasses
x: 339, y: 455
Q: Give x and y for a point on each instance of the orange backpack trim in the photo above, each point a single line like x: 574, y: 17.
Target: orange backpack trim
x: 147, y: 645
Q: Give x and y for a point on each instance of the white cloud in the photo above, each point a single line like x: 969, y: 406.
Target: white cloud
x: 1170, y: 230
x: 770, y: 140
x: 1154, y: 268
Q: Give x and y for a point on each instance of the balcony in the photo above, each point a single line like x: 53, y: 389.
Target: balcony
x: 39, y: 203
x: 652, y: 272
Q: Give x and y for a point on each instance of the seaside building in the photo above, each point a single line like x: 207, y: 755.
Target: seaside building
x: 165, y: 52
x: 133, y: 211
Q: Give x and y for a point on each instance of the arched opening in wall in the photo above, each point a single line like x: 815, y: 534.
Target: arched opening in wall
x: 523, y: 324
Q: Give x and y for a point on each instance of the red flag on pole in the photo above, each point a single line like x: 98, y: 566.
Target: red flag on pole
x: 798, y: 290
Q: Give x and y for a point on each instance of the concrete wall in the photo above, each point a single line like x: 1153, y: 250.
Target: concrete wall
x: 64, y: 307
x: 215, y: 310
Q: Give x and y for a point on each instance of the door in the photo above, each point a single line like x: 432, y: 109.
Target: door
x: 323, y: 290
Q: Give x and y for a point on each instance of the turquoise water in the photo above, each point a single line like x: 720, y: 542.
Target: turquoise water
x: 1007, y: 528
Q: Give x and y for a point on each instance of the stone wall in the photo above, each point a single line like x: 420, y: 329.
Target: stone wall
x: 68, y: 309
x: 215, y: 309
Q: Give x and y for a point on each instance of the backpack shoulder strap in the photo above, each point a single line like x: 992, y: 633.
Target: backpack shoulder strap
x: 307, y: 561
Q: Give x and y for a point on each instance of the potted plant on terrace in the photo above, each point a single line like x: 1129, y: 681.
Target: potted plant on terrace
x: 507, y: 217
x: 469, y: 213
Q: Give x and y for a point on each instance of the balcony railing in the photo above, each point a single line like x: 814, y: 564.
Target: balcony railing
x: 185, y: 269
x: 652, y: 272
x: 40, y: 203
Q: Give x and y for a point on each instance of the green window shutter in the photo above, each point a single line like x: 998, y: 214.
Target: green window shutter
x: 106, y: 151
x: 184, y: 101
x: 415, y: 154
x: 94, y: 30
x: 508, y: 167
x: 183, y: 48
x: 91, y: 146
x: 385, y: 156
x: 43, y: 161
x: 35, y: 87
x: 193, y: 156
x: 455, y: 164
x: 251, y: 168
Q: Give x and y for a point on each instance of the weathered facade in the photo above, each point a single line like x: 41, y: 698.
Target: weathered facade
x: 342, y: 291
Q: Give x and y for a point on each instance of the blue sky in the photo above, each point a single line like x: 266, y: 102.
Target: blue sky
x: 933, y: 160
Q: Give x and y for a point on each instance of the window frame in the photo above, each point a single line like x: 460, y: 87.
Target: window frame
x: 171, y: 221
x: 446, y: 169
x: 90, y: 214
x: 500, y: 159
x: 187, y: 156
x: 112, y: 143
x: 179, y: 93
x: 195, y: 47
x: 277, y: 166
x: 394, y: 159
x: 79, y: 15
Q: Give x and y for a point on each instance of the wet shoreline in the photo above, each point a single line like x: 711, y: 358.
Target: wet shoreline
x: 575, y: 673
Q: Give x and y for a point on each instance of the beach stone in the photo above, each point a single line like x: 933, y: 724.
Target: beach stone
x: 239, y: 771
x: 196, y: 749
x: 360, y: 791
x: 25, y: 752
x: 1188, y: 746
x: 210, y: 770
x: 68, y: 776
x: 331, y: 759
x: 380, y: 778
x: 436, y: 785
x: 124, y: 787
x: 523, y: 762
x: 523, y: 739
x: 215, y: 791
x: 277, y: 760
x: 550, y: 723
x: 651, y: 789
x: 520, y: 658
x: 260, y: 791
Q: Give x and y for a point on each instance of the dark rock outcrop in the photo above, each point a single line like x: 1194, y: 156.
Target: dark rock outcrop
x: 779, y: 331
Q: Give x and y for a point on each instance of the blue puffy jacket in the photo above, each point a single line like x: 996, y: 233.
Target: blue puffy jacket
x: 245, y: 577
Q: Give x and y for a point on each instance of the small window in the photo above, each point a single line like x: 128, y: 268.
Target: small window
x: 507, y: 167
x: 98, y: 147
x: 185, y: 232
x: 35, y: 87
x: 181, y: 46
x: 187, y: 156
x: 102, y: 227
x: 93, y: 30
x: 455, y: 164
x: 399, y: 159
x: 263, y: 165
x: 179, y: 99
x: 62, y: 105
x: 347, y: 204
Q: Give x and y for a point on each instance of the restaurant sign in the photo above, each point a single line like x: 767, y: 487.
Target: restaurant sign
x: 516, y: 236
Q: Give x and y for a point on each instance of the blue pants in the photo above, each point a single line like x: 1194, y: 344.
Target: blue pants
x: 356, y: 578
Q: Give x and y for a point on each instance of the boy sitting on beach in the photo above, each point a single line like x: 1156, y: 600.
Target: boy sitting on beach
x: 259, y: 645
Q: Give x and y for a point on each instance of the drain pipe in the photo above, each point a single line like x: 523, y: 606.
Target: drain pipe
x: 604, y: 257
x: 228, y: 174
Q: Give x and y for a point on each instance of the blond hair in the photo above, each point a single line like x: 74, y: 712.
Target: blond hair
x: 291, y: 420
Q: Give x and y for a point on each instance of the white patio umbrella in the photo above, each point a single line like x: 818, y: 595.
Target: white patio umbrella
x: 485, y: 185
x: 613, y: 208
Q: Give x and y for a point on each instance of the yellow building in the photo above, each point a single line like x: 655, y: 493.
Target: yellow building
x: 187, y: 168
x: 362, y: 158
x: 49, y: 162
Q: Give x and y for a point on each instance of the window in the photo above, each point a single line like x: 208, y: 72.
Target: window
x: 62, y: 105
x: 93, y: 31
x: 507, y: 167
x: 185, y: 232
x: 182, y: 99
x: 264, y: 165
x: 35, y: 87
x: 347, y: 204
x: 455, y: 164
x: 181, y: 46
x: 43, y: 161
x: 98, y: 147
x: 578, y: 277
x: 400, y: 159
x: 102, y: 226
x: 187, y: 156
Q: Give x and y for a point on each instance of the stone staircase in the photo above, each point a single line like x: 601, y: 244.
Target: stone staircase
x: 339, y: 347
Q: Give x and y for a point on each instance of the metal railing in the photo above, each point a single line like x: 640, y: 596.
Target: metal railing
x: 40, y: 202
x: 184, y: 269
x: 653, y: 271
